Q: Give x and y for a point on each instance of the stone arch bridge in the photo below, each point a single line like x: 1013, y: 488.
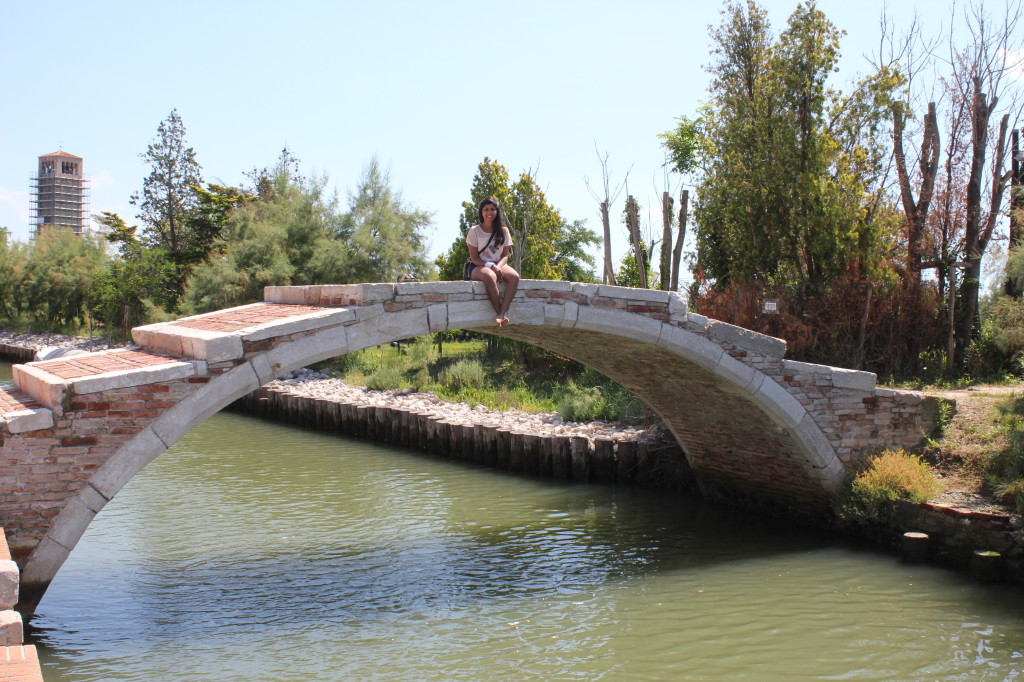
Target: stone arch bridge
x: 756, y: 428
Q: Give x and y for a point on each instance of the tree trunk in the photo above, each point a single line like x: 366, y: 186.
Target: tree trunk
x: 858, y: 355
x: 609, y: 269
x: 677, y: 252
x: 634, y: 231
x: 951, y: 322
x: 1009, y: 288
x: 916, y: 211
x: 664, y: 275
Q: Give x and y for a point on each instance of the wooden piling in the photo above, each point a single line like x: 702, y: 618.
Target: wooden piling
x: 580, y: 455
x: 561, y: 457
x: 604, y: 460
x: 625, y: 470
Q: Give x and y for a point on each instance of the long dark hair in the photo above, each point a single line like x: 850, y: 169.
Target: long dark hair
x: 499, y: 220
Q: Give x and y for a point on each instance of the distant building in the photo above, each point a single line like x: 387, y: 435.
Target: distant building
x: 60, y: 194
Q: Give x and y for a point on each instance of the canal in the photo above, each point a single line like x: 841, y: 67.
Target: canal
x: 256, y: 551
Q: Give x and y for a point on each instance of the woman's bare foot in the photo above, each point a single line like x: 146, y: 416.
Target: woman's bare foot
x: 500, y: 321
x: 503, y: 322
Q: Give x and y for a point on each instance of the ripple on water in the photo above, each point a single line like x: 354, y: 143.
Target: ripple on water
x: 271, y: 553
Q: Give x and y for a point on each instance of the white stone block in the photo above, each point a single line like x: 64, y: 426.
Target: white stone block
x: 12, y: 630
x: 632, y: 293
x: 43, y: 563
x: 848, y: 378
x: 263, y: 369
x: 746, y: 339
x: 697, y: 320
x: 160, y: 337
x: 437, y: 317
x: 794, y: 367
x: 70, y: 524
x: 691, y: 346
x: 619, y: 323
x: 561, y: 314
x: 141, y: 376
x: 525, y: 313
x: 426, y: 288
x: 369, y: 312
x: 287, y: 295
x: 126, y: 461
x: 544, y: 285
x: 779, y: 404
x: 43, y: 386
x: 584, y: 290
x: 678, y: 305
x: 24, y: 421
x: 327, y: 317
x: 9, y: 581
x: 470, y: 314
x: 736, y: 373
x: 211, y: 397
x: 329, y: 343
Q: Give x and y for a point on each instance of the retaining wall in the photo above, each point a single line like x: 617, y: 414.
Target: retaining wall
x: 572, y: 458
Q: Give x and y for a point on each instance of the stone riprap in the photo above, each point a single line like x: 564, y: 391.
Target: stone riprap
x: 756, y: 429
x: 312, y: 384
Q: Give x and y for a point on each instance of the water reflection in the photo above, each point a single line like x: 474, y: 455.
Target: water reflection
x: 253, y: 551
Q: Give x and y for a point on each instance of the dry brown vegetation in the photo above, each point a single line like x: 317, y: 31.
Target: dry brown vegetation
x: 972, y: 434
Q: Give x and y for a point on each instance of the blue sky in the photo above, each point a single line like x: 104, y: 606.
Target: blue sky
x: 429, y: 88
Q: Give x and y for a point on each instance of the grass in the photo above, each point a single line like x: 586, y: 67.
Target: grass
x: 485, y: 371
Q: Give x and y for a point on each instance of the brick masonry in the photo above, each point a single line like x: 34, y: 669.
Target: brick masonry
x: 756, y: 429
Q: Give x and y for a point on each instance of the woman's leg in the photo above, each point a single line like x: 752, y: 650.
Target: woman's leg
x: 511, y: 279
x: 490, y: 280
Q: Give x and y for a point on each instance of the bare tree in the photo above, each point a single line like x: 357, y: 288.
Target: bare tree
x: 677, y: 252
x: 604, y: 201
x: 634, y: 231
x: 979, y: 72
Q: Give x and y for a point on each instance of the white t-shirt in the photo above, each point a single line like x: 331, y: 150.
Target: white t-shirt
x: 478, y: 238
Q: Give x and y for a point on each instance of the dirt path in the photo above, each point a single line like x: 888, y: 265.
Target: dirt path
x: 971, y: 435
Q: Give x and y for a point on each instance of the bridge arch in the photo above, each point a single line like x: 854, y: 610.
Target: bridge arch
x: 725, y: 393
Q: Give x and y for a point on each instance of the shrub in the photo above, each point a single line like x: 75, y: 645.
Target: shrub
x: 577, y: 404
x: 386, y: 378
x: 893, y: 475
x: 1012, y: 493
x: 463, y: 374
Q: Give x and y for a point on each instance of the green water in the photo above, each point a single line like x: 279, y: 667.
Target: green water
x: 255, y: 551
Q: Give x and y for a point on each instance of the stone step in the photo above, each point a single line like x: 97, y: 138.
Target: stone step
x: 221, y: 336
x: 50, y: 382
x: 20, y: 412
x: 20, y: 664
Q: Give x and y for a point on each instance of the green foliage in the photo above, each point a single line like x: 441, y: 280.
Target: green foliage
x: 297, y: 234
x: 890, y: 476
x: 168, y: 202
x: 386, y: 378
x: 683, y: 145
x: 1012, y: 493
x: 986, y: 356
x: 12, y: 258
x: 55, y: 277
x: 1008, y: 465
x: 628, y: 274
x: 585, y: 404
x: 546, y: 246
x: 463, y: 374
x: 479, y: 372
x: 791, y: 169
x: 385, y: 236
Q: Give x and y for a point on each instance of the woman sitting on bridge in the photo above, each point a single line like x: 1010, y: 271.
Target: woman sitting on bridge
x: 489, y: 244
